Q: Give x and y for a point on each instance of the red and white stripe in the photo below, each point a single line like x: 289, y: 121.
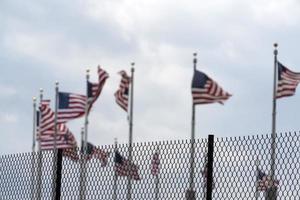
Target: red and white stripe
x: 127, y: 169
x: 120, y: 95
x: 75, y: 110
x: 65, y: 141
x: 287, y: 83
x: 46, y: 121
x: 97, y: 87
x: 211, y: 93
x: 101, y: 155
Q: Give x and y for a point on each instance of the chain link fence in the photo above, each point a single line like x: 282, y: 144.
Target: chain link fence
x: 241, y: 169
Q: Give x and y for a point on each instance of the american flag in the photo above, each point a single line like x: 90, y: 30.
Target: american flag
x: 71, y: 153
x: 70, y: 106
x: 205, y: 90
x: 94, y: 89
x: 122, y: 93
x: 47, y: 124
x: 93, y: 151
x: 287, y: 81
x: 264, y: 181
x: 155, y: 164
x: 64, y: 139
x: 123, y: 167
x: 46, y: 117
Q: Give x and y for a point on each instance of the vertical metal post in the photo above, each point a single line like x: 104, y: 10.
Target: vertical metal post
x: 115, y: 186
x: 58, y: 175
x: 86, y: 120
x: 210, y: 162
x: 84, y: 138
x: 33, y: 159
x: 157, y: 178
x: 190, y: 192
x: 40, y: 155
x: 130, y: 131
x: 55, y: 114
x: 34, y: 125
x: 82, y: 166
x: 274, y: 114
x: 273, y: 144
x: 55, y: 152
x: 256, y: 179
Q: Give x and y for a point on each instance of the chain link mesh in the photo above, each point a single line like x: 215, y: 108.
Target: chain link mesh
x: 235, y: 166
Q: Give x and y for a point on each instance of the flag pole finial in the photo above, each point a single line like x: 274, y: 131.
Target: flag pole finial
x: 34, y: 99
x: 275, y: 50
x: 41, y: 90
x: 195, y: 60
x: 56, y: 83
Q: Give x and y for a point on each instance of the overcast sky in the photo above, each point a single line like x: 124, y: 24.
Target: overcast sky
x: 44, y: 41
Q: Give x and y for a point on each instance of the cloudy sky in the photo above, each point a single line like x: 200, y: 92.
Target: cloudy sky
x: 44, y: 41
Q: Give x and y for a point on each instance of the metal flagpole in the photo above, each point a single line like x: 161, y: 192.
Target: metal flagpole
x: 40, y: 155
x: 84, y: 141
x: 157, y: 178
x: 130, y: 132
x: 34, y: 125
x: 82, y: 166
x: 256, y: 178
x: 115, y: 172
x: 191, y: 193
x: 55, y: 115
x: 86, y: 121
x: 55, y: 152
x: 273, y: 153
x: 33, y: 149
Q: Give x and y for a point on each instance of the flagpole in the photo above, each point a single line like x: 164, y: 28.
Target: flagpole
x: 130, y: 132
x: 33, y: 148
x: 115, y: 187
x: 157, y: 178
x: 40, y: 155
x: 55, y: 114
x: 34, y: 125
x: 256, y: 178
x: 273, y: 153
x: 86, y: 121
x: 55, y: 152
x: 82, y: 166
x: 192, y: 147
x: 84, y: 136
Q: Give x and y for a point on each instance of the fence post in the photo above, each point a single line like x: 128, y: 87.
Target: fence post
x: 210, y: 161
x: 58, y: 175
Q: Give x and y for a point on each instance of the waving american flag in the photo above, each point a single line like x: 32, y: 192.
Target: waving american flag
x: 123, y: 167
x: 122, y: 93
x: 70, y: 106
x: 287, y: 81
x: 94, y: 89
x: 205, y: 90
